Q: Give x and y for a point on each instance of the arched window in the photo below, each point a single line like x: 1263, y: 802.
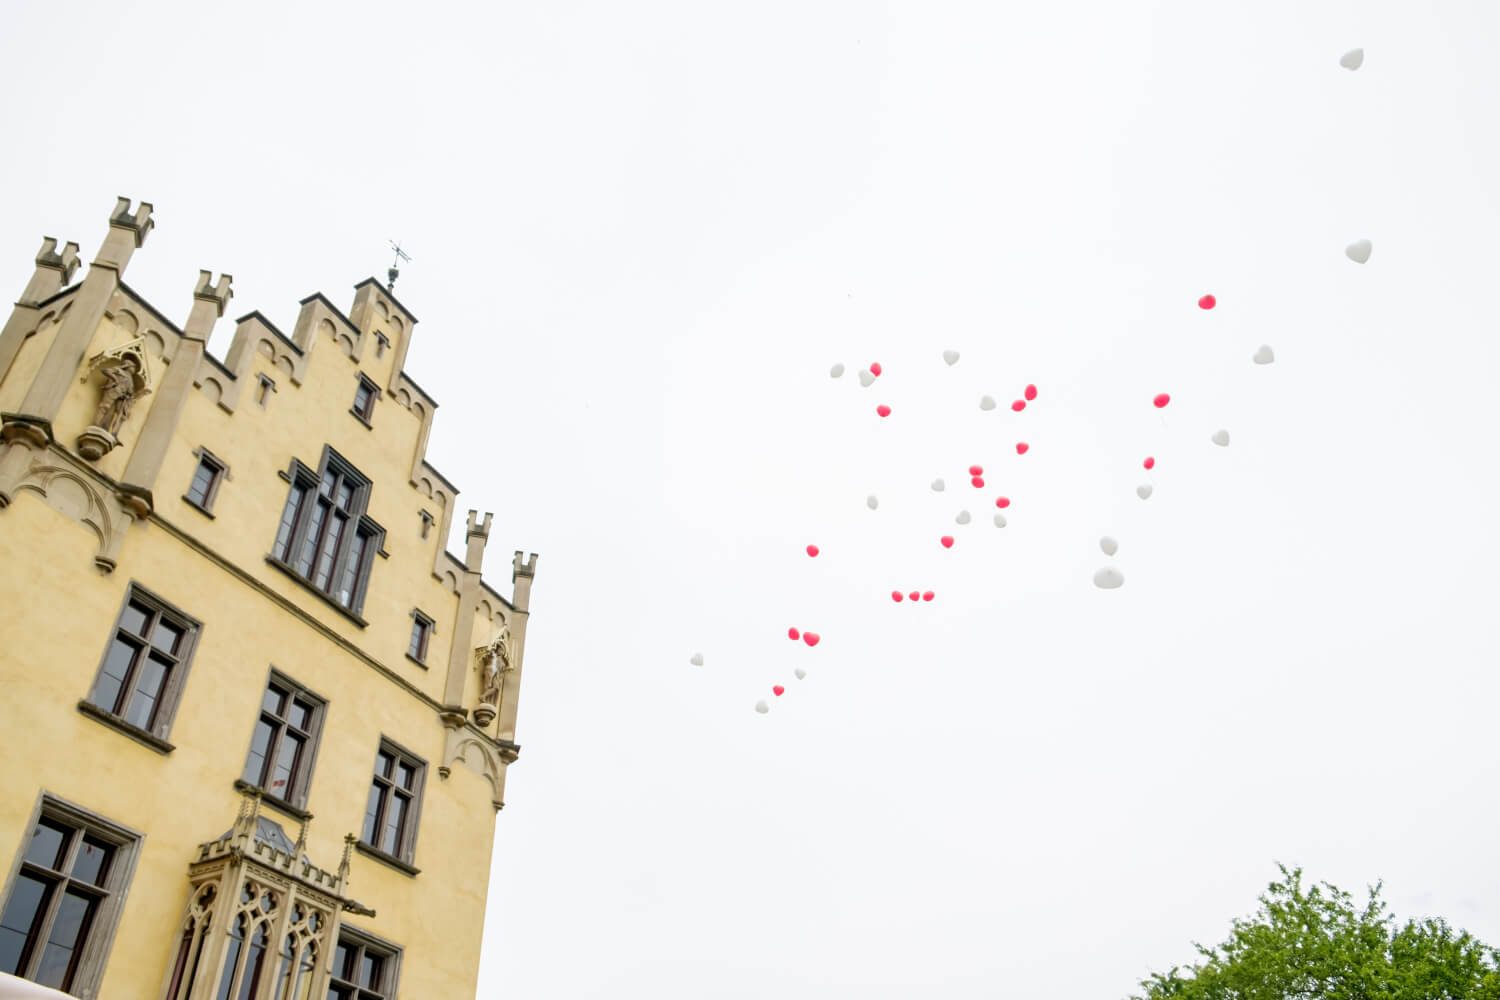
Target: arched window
x: 243, y: 963
x: 194, y: 935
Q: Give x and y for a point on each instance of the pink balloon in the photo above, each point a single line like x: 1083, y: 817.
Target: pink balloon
x: 875, y: 368
x: 883, y: 410
x: 1002, y: 502
x: 778, y: 690
x: 976, y: 470
x: 1018, y: 405
x: 929, y: 595
x: 897, y: 596
x: 947, y: 541
x: 1022, y: 447
x: 793, y: 634
x: 812, y: 550
x: 1149, y: 463
x: 1161, y: 400
x: 1207, y: 302
x: 1031, y: 392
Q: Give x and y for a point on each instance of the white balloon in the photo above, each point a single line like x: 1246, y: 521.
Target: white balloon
x: 1353, y: 59
x: 872, y: 501
x: 800, y: 673
x: 1109, y: 545
x: 937, y: 486
x: 865, y: 378
x: 999, y: 520
x: 1358, y: 251
x: 1221, y: 438
x: 963, y: 517
x: 951, y: 357
x: 1108, y: 578
x: 1143, y: 491
x: 697, y: 660
x: 986, y: 402
x: 1264, y: 356
x: 762, y: 707
x: 836, y: 370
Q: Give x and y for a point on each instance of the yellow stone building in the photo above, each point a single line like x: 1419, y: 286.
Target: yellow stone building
x: 228, y: 609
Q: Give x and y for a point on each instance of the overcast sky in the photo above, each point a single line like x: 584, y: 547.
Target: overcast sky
x: 642, y: 233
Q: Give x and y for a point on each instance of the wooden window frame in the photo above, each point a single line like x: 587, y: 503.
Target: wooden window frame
x: 428, y: 627
x: 300, y: 520
x: 406, y: 850
x: 156, y: 734
x: 220, y: 474
x: 98, y: 937
x: 365, y: 384
x: 294, y: 801
x: 361, y: 941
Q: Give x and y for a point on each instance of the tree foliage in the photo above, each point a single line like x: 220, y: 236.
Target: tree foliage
x: 1317, y: 944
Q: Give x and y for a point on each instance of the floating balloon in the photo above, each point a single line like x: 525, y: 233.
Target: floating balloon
x: 811, y: 638
x: 897, y: 596
x: 1143, y: 491
x: 947, y: 541
x: 1264, y: 356
x: 1149, y: 463
x: 865, y: 378
x: 1358, y: 251
x: 977, y: 482
x: 937, y: 486
x: 963, y: 517
x: 799, y: 673
x: 1353, y: 59
x: 697, y: 660
x: 1030, y: 393
x: 951, y: 357
x: 1022, y: 447
x: 1161, y: 400
x: 928, y: 595
x: 915, y: 596
x: 836, y: 371
x: 872, y: 501
x: 778, y: 690
x: 1002, y: 502
x: 875, y: 368
x: 1018, y: 405
x: 812, y: 551
x: 793, y: 634
x: 762, y: 707
x: 1109, y: 545
x: 1207, y: 302
x: 1000, y: 521
x: 986, y: 402
x: 1221, y: 438
x: 976, y: 470
x: 883, y: 410
x: 1108, y: 578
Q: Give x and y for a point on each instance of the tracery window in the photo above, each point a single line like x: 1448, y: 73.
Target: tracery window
x: 195, y: 935
x: 248, y: 936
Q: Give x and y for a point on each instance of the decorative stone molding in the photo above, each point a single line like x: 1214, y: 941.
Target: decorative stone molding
x: 478, y: 755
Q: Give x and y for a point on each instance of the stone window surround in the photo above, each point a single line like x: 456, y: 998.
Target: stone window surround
x: 101, y: 936
x: 363, y: 381
x: 295, y: 804
x: 157, y: 737
x: 264, y: 386
x: 382, y: 344
x: 428, y: 520
x: 391, y: 952
x: 413, y: 818
x: 420, y: 619
x: 205, y: 456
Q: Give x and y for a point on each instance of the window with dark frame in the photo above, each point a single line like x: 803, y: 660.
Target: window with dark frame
x: 364, y: 399
x: 325, y: 538
x: 421, y: 635
x: 363, y: 968
x: 264, y: 386
x: 381, y: 343
x: 146, y: 664
x: 206, y: 478
x: 284, y: 744
x: 63, y: 904
x: 390, y: 825
x: 427, y: 522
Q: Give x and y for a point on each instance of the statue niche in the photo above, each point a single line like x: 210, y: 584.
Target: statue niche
x: 125, y: 377
x: 493, y: 661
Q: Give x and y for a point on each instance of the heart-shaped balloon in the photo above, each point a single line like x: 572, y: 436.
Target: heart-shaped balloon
x: 986, y: 402
x: 778, y: 690
x: 812, y: 550
x: 977, y: 482
x: 1358, y: 251
x: 1149, y: 463
x: 793, y: 634
x: 963, y: 517
x: 1109, y: 545
x: 836, y: 370
x: 1220, y: 438
x: 1143, y: 491
x: 762, y: 707
x: 883, y: 410
x: 1207, y: 302
x: 872, y: 501
x: 1161, y: 400
x: 928, y: 595
x: 811, y: 638
x: 1002, y: 502
x: 1030, y: 393
x: 697, y: 660
x: 947, y: 541
x: 799, y: 673
x: 1108, y: 578
x: 915, y: 595
x: 865, y: 378
x: 1018, y: 405
x: 897, y: 596
x: 875, y: 368
x: 937, y: 486
x: 1264, y: 356
x: 951, y: 357
x: 1022, y: 447
x: 1000, y: 521
x: 976, y: 470
x: 1353, y: 59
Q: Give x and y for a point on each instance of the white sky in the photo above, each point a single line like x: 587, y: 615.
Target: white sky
x: 641, y: 235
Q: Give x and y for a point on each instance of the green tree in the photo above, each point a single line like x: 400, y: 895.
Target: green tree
x: 1317, y: 944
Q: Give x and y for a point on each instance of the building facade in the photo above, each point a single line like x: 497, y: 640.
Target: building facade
x: 256, y: 718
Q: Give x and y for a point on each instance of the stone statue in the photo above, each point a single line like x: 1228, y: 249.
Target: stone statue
x: 122, y: 385
x: 494, y: 663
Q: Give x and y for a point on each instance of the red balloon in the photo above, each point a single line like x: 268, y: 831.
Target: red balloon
x: 883, y: 410
x: 976, y: 470
x: 812, y: 550
x: 778, y: 690
x: 1149, y: 463
x: 811, y: 638
x: 978, y: 482
x: 793, y: 634
x: 1018, y: 405
x: 947, y: 541
x: 1022, y: 447
x: 897, y: 596
x: 1031, y: 392
x: 929, y: 595
x: 1161, y: 400
x: 915, y: 595
x: 874, y: 367
x: 1002, y: 502
x: 1207, y: 302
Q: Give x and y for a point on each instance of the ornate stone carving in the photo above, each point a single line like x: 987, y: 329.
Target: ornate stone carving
x: 126, y: 377
x: 493, y: 662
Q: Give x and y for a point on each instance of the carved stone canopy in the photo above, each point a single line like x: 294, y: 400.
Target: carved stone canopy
x: 116, y: 357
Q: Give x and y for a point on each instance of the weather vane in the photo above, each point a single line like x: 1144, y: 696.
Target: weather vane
x: 394, y: 271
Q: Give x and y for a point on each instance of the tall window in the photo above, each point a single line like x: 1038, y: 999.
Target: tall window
x: 264, y: 386
x: 421, y: 635
x: 325, y: 538
x: 364, y: 967
x: 249, y: 937
x: 204, y: 487
x: 364, y: 399
x: 141, y: 678
x: 395, y: 800
x: 56, y: 925
x: 285, y: 742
